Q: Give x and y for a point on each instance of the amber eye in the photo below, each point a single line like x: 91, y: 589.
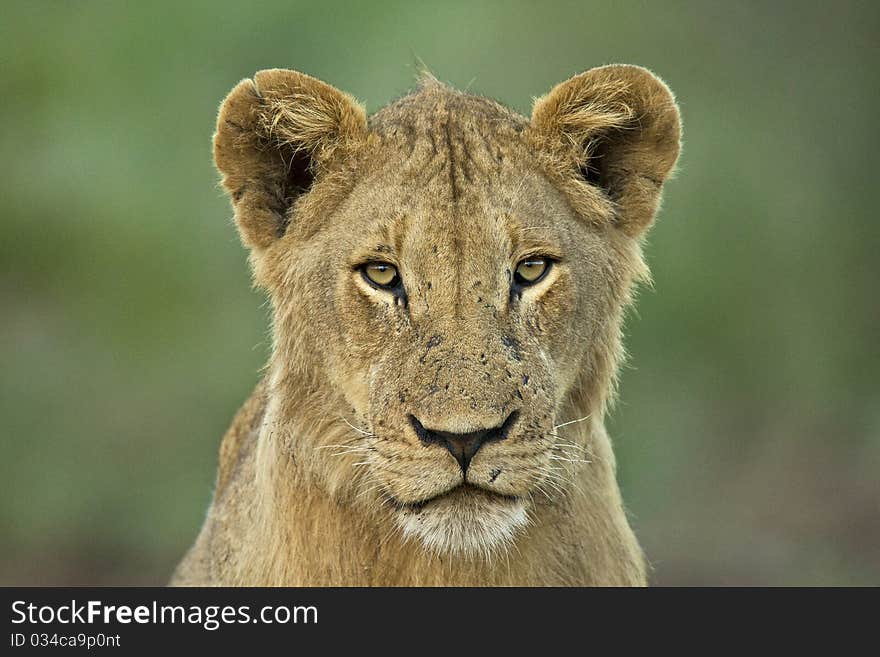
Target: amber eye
x: 381, y: 274
x: 531, y: 270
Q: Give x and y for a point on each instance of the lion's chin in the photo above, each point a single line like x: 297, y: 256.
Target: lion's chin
x: 466, y: 521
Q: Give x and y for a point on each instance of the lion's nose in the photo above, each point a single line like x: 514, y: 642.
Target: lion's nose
x: 463, y: 446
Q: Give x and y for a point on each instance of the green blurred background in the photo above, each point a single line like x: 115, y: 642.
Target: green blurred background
x: 748, y: 432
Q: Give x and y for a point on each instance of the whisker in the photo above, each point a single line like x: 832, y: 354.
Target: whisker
x: 562, y: 458
x: 565, y: 424
x: 395, y: 531
x: 360, y: 431
x: 555, y: 475
x: 354, y: 448
x: 554, y: 482
x: 561, y: 447
x: 551, y: 476
x: 344, y: 451
x: 356, y: 439
x: 368, y: 490
x: 541, y: 490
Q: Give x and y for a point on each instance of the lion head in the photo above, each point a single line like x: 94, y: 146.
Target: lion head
x: 447, y: 280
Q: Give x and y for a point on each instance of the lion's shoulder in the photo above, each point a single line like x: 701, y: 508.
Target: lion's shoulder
x: 241, y: 435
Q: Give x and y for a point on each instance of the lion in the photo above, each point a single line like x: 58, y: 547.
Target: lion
x: 447, y: 282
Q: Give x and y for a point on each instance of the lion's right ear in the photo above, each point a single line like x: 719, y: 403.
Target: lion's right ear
x: 276, y: 134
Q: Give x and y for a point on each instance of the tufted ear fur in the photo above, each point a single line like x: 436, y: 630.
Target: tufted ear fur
x: 276, y: 135
x: 615, y: 128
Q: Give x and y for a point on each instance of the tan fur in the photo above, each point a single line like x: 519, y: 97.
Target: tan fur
x: 322, y: 479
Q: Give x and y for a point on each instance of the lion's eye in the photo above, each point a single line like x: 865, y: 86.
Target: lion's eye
x: 531, y: 270
x: 381, y: 274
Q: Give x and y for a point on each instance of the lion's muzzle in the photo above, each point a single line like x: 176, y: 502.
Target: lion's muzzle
x: 463, y: 446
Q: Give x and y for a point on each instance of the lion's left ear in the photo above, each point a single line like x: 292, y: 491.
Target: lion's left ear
x: 616, y: 128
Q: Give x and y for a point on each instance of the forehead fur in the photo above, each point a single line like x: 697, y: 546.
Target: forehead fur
x: 447, y: 140
x: 463, y: 148
x: 434, y: 104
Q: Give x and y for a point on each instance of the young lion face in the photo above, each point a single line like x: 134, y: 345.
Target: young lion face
x: 448, y: 277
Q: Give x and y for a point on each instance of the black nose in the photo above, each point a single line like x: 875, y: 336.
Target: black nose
x: 463, y: 446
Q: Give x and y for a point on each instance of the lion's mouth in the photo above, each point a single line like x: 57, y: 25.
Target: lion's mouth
x: 463, y: 489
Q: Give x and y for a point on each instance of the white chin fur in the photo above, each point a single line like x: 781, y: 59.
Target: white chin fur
x: 466, y: 523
